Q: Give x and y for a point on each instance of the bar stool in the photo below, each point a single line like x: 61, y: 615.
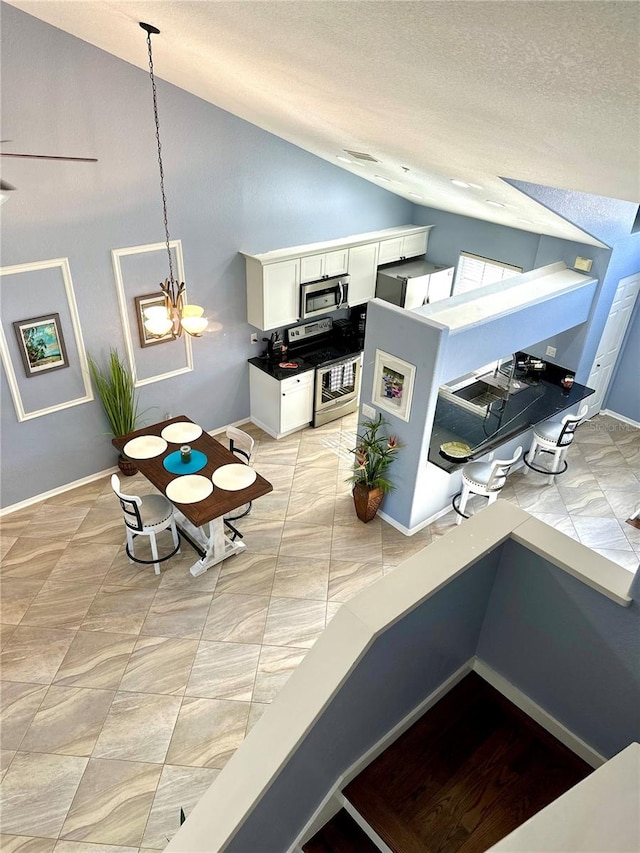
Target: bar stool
x: 484, y: 478
x: 553, y: 437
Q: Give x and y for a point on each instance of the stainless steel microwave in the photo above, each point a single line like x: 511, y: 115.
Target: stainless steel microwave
x: 323, y: 296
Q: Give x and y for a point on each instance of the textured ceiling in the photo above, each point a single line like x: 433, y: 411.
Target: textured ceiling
x: 544, y: 92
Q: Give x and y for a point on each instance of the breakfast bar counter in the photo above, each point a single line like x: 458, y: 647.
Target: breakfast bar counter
x: 486, y: 429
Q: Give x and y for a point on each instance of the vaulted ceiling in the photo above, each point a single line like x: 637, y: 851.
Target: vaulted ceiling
x: 435, y: 91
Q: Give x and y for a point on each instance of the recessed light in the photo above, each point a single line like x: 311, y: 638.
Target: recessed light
x: 460, y: 183
x: 526, y: 221
x: 415, y: 195
x: 476, y: 186
x: 343, y: 159
x: 382, y: 178
x: 495, y: 203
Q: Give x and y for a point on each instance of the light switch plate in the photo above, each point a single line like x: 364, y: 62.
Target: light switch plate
x: 368, y: 411
x: 583, y: 264
x: 551, y: 351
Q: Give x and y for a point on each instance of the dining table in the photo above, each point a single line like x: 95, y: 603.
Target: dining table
x: 202, y: 478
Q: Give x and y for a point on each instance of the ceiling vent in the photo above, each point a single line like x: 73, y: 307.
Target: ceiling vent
x: 359, y: 155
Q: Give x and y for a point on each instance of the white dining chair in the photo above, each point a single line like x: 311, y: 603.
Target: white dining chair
x: 241, y: 444
x: 484, y: 478
x: 553, y: 437
x: 146, y: 516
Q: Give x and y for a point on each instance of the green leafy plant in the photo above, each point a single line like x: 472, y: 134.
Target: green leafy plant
x: 115, y: 387
x: 374, y: 453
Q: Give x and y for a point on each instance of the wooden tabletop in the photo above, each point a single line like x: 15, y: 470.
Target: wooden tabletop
x: 219, y: 501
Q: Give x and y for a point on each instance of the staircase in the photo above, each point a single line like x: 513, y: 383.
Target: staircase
x: 468, y: 772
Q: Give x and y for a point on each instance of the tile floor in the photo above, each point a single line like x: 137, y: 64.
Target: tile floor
x: 124, y: 693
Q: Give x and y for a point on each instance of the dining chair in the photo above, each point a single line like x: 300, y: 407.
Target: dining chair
x: 553, y: 437
x: 484, y: 478
x: 146, y: 516
x: 241, y: 444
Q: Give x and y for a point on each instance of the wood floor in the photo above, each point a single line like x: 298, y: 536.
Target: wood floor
x: 340, y: 835
x: 470, y: 771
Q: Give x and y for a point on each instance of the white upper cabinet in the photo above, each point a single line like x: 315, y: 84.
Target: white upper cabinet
x: 274, y: 278
x: 363, y: 268
x: 273, y: 294
x: 400, y: 247
x: 326, y: 265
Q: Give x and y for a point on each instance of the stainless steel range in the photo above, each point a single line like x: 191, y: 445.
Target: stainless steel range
x: 337, y: 360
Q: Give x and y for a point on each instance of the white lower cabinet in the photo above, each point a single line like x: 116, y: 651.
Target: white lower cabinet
x: 363, y: 267
x: 281, y: 406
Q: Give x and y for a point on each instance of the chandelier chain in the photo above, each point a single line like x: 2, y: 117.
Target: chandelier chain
x: 157, y: 122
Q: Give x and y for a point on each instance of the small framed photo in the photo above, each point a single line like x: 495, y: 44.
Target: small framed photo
x: 393, y: 381
x: 152, y: 300
x: 41, y: 344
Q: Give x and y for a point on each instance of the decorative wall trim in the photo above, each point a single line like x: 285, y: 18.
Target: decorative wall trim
x: 116, y: 254
x: 65, y: 272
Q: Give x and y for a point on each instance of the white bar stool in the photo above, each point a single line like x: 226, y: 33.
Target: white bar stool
x: 146, y: 516
x: 484, y: 478
x: 553, y: 437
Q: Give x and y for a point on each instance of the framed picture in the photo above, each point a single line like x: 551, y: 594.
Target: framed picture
x: 393, y: 384
x: 41, y: 344
x: 153, y: 300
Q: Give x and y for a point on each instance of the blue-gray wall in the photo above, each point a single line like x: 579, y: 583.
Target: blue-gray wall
x: 230, y: 187
x: 611, y: 221
x: 570, y: 649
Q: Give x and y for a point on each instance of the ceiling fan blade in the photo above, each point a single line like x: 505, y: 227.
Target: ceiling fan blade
x: 50, y: 157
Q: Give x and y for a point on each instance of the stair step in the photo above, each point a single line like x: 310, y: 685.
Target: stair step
x: 469, y: 771
x: 340, y: 835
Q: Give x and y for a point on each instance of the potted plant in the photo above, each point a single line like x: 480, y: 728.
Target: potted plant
x: 374, y: 453
x: 115, y: 387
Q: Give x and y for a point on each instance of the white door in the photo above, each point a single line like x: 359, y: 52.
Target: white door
x: 611, y: 341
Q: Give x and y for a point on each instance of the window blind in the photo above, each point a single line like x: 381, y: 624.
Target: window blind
x: 475, y: 271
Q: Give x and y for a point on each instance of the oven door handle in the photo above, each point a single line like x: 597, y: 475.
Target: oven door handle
x: 341, y: 286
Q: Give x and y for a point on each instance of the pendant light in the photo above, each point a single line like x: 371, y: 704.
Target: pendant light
x: 176, y: 315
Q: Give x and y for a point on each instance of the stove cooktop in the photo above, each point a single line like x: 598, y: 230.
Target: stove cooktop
x: 324, y: 355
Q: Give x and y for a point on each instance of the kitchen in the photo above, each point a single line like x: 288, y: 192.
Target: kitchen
x: 483, y: 325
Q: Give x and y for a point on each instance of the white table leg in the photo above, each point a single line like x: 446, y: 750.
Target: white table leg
x: 216, y: 544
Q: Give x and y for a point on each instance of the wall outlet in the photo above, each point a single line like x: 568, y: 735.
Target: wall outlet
x: 254, y: 338
x: 583, y: 264
x: 368, y: 411
x: 551, y: 351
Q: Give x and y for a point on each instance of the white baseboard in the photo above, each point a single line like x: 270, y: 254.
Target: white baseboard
x: 409, y: 531
x: 622, y: 418
x: 538, y: 714
x: 59, y: 490
x: 67, y: 487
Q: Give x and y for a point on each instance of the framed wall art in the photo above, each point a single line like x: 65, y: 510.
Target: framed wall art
x: 393, y: 381
x: 41, y: 344
x: 151, y: 300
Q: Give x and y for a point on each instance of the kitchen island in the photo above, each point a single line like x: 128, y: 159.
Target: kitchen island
x: 487, y: 428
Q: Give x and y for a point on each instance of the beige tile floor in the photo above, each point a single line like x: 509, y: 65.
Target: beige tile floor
x: 124, y: 693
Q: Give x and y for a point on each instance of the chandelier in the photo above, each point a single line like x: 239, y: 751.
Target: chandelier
x: 176, y: 315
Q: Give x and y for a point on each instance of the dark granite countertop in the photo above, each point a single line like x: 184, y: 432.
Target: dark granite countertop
x: 501, y: 421
x: 271, y: 367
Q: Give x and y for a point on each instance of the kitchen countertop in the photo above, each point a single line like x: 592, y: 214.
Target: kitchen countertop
x: 502, y: 421
x: 279, y: 373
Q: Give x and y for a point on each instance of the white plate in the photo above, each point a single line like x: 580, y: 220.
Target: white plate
x: 144, y: 447
x: 181, y: 432
x: 189, y: 489
x: 232, y: 478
